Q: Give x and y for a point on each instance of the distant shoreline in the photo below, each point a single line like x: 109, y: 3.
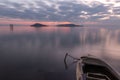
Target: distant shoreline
x: 59, y: 25
x: 38, y: 25
x: 69, y: 25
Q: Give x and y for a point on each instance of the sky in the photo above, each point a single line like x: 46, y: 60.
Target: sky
x: 93, y: 11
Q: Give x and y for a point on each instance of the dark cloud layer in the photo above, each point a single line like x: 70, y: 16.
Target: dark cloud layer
x: 57, y: 11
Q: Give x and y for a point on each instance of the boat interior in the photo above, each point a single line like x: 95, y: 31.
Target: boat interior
x: 95, y: 72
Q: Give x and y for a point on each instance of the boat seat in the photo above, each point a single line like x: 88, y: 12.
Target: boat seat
x: 97, y: 76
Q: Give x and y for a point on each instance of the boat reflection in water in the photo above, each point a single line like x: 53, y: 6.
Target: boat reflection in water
x: 91, y: 68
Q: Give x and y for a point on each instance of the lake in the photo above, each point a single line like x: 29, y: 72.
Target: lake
x: 28, y: 53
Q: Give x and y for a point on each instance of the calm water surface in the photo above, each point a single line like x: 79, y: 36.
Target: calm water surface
x: 28, y: 53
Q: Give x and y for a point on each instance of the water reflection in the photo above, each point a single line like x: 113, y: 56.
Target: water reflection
x: 37, y: 53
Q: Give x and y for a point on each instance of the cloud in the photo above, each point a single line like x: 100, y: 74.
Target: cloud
x: 60, y: 10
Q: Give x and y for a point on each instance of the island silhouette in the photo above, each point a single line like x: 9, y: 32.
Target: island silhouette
x: 59, y: 25
x: 69, y: 25
x: 38, y: 25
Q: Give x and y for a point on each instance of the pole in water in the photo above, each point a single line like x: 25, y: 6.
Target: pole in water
x: 11, y: 27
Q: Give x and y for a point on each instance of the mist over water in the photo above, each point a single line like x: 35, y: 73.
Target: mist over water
x: 28, y: 53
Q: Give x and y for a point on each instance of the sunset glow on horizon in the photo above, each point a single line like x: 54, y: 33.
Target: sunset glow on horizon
x: 29, y: 22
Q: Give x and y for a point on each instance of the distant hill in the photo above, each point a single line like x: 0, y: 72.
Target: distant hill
x: 38, y: 25
x: 69, y: 25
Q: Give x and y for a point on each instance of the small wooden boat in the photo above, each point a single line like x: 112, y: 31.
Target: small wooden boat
x: 91, y: 68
